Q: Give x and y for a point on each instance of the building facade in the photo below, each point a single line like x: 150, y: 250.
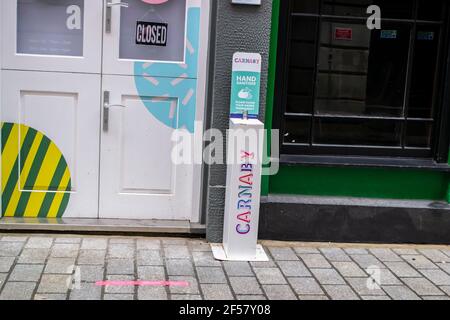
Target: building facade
x: 363, y: 116
x: 363, y: 120
x: 92, y: 92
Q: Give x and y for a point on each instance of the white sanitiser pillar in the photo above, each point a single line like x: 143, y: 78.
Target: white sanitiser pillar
x: 244, y: 164
x: 243, y: 194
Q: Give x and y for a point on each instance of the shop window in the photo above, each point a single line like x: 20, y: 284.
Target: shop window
x: 434, y: 12
x: 50, y: 27
x: 344, y: 89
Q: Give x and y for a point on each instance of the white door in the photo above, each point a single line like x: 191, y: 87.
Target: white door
x: 138, y: 177
x: 92, y: 92
x: 50, y: 107
x: 151, y: 82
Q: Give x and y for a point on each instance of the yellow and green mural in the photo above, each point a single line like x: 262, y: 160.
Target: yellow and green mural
x: 35, y: 181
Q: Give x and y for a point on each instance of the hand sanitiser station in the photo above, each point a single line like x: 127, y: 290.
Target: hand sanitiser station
x: 244, y: 164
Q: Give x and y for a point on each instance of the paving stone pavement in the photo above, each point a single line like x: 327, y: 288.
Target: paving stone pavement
x: 70, y: 267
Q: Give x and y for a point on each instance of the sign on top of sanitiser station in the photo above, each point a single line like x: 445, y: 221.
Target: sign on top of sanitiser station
x: 246, y: 85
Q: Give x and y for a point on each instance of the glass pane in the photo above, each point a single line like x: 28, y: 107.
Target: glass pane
x: 424, y: 81
x: 341, y: 94
x: 153, y: 31
x: 305, y: 6
x: 299, y: 104
x: 302, y: 64
x: 297, y: 130
x: 303, y: 55
x: 431, y: 10
x: 350, y: 8
x: 388, y: 60
x: 398, y: 9
x: 362, y: 72
x: 304, y: 28
x: 419, y: 134
x: 357, y: 132
x: 341, y: 80
x: 50, y: 27
x: 333, y: 58
x: 301, y: 82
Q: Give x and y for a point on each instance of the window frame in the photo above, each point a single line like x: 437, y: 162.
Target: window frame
x: 438, y: 153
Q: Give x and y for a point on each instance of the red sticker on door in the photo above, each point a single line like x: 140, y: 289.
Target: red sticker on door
x: 343, y: 34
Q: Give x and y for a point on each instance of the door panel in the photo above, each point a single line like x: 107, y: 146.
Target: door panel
x: 53, y: 149
x: 139, y: 180
x: 56, y: 160
x: 177, y: 56
x: 155, y: 89
x: 142, y: 171
x: 43, y: 35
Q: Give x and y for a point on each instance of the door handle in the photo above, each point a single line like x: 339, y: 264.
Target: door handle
x: 109, y: 6
x: 106, y: 107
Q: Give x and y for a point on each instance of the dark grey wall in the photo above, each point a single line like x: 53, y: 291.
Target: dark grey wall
x: 237, y: 28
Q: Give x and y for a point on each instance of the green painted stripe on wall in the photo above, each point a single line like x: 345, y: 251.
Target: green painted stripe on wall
x: 56, y: 181
x: 375, y: 183
x: 5, y: 131
x: 32, y: 176
x: 26, y: 146
x: 65, y: 201
x: 13, y: 178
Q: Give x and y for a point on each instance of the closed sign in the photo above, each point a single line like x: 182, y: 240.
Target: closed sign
x: 151, y: 33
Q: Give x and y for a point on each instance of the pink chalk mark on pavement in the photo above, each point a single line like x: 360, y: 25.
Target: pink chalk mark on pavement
x: 183, y: 284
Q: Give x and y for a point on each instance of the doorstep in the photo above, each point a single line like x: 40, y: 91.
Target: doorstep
x: 102, y: 226
x: 350, y: 220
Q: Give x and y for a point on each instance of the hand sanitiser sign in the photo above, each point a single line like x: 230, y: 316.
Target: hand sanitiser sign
x: 246, y: 85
